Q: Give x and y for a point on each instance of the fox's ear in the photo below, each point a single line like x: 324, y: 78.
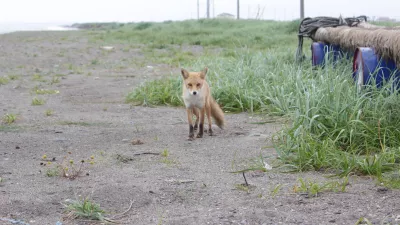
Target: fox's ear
x: 185, y: 73
x: 203, y: 73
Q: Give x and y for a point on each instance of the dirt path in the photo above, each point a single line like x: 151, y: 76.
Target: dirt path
x: 178, y: 182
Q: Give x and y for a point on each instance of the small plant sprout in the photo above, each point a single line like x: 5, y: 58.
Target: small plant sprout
x: 4, y: 80
x: 165, y: 153
x: 46, y: 92
x: 68, y: 168
x: 48, y: 112
x: 9, y: 118
x: 84, y: 209
x: 276, y: 190
x: 37, y: 101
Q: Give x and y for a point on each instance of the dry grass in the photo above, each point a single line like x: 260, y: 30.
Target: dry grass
x: 386, y: 41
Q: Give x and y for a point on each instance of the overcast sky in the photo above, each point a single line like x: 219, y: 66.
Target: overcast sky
x: 69, y: 11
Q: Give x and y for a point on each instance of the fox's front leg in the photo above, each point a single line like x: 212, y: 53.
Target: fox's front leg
x: 196, y: 113
x: 191, y: 128
x: 201, y: 125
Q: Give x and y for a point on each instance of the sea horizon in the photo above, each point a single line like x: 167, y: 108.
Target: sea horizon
x: 20, y: 26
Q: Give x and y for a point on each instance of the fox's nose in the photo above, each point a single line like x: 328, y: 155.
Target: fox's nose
x: 194, y: 92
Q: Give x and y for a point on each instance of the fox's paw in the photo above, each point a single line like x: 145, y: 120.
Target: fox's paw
x: 199, y: 135
x: 190, y: 139
x: 210, y: 132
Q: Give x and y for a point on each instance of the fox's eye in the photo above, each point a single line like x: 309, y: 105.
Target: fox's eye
x: 198, y: 85
x: 189, y: 85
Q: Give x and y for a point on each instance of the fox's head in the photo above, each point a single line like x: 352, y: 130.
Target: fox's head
x: 194, y: 80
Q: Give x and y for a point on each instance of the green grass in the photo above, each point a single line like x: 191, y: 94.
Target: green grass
x: 313, y: 189
x: 9, y: 128
x: 55, y: 80
x: 14, y: 77
x: 49, y: 112
x: 256, y: 34
x: 85, y: 209
x: 45, y: 91
x: 73, y: 123
x: 4, y: 80
x: 331, y: 125
x: 38, y: 101
x: 9, y: 118
x: 38, y: 77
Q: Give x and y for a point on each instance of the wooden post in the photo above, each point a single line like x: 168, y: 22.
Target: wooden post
x: 301, y: 9
x: 238, y: 9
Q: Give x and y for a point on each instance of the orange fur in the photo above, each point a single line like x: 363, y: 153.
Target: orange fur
x: 197, y: 97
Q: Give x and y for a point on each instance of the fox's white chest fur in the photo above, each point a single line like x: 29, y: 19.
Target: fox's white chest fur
x: 191, y: 100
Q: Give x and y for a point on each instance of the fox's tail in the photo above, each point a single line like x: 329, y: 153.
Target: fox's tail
x: 217, y: 113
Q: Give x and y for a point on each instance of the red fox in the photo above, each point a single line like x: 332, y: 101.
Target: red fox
x: 198, y: 101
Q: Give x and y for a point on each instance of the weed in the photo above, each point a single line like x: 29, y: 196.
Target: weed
x: 4, y: 80
x: 312, y: 189
x: 53, y: 172
x: 69, y: 123
x: 55, y: 80
x: 137, y: 128
x: 276, y: 190
x: 242, y: 187
x: 74, y: 70
x: 38, y: 77
x: 165, y: 153
x: 46, y: 92
x: 49, y: 112
x: 9, y: 118
x: 9, y: 128
x: 166, y: 159
x: 67, y: 168
x: 13, y: 77
x: 84, y: 209
x: 391, y: 180
x: 363, y: 220
x: 94, y: 62
x: 38, y: 101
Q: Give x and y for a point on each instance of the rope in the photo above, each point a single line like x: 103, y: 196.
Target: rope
x: 309, y: 26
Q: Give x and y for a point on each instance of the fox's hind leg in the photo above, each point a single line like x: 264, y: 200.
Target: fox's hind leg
x: 196, y: 113
x: 208, y: 112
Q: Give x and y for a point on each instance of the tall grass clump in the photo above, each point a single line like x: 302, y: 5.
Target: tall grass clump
x: 331, y: 124
x: 208, y: 33
x: 157, y: 92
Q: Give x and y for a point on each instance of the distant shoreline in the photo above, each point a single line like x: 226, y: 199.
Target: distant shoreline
x: 16, y: 27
